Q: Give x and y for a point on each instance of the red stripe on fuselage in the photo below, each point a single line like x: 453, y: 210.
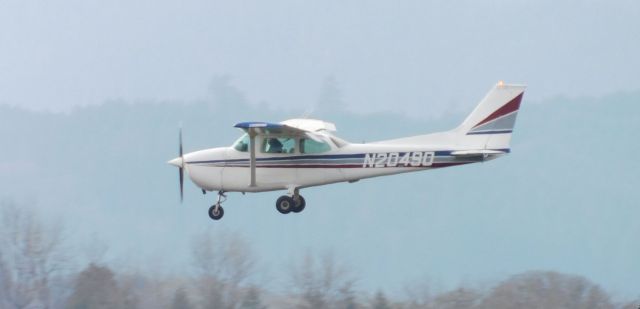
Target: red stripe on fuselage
x: 510, y: 107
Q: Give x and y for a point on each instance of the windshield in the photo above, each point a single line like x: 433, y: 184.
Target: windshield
x: 242, y: 144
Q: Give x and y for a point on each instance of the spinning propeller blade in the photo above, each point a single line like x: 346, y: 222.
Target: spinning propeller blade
x: 181, y: 168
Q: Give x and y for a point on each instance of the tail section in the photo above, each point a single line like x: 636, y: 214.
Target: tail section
x: 491, y: 123
x: 488, y: 127
x: 496, y: 113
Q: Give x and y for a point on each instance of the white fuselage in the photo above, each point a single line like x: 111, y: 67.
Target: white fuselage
x: 227, y: 169
x: 300, y: 153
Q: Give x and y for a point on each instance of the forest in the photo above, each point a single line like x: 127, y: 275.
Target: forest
x: 36, y: 271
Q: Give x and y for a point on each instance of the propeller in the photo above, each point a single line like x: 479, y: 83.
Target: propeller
x: 179, y: 163
x: 181, y: 168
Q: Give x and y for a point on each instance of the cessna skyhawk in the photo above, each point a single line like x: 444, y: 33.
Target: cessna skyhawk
x: 300, y: 153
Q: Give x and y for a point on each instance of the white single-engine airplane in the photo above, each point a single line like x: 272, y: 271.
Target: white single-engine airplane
x: 300, y: 153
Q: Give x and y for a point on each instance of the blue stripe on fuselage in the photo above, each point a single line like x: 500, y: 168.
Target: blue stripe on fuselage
x: 438, y: 153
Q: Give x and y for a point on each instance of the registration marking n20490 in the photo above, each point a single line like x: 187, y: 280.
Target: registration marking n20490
x: 398, y: 159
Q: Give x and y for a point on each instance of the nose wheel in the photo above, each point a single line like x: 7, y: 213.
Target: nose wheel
x: 216, y: 211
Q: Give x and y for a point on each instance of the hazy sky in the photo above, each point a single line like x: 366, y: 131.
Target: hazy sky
x: 385, y: 54
x: 421, y: 58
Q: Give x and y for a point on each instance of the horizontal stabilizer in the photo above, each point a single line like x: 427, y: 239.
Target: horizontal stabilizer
x: 477, y: 152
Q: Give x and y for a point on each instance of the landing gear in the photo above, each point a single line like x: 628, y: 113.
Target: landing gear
x: 300, y: 204
x: 216, y: 211
x: 294, y: 202
x: 285, y: 204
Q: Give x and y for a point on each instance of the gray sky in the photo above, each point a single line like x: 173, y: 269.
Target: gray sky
x: 421, y: 58
x: 386, y: 55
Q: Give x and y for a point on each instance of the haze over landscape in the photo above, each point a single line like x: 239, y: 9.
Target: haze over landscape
x: 92, y: 94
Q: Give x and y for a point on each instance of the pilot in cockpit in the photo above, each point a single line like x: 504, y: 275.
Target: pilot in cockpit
x: 275, y: 146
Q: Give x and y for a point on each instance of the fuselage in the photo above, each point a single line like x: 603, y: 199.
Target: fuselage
x: 227, y: 168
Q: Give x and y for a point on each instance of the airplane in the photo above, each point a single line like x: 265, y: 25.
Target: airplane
x: 299, y: 153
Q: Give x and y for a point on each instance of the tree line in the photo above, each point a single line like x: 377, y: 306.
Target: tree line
x: 35, y: 273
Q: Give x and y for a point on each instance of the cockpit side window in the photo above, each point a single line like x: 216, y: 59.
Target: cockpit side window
x: 279, y: 145
x: 242, y: 144
x: 311, y: 146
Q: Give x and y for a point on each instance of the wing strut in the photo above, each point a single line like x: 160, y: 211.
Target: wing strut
x: 252, y: 158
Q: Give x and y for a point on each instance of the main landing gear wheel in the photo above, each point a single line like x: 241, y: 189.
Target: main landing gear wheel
x: 299, y: 204
x: 285, y: 204
x: 216, y: 212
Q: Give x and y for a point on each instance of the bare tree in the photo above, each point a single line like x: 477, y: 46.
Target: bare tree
x: 252, y: 299
x: 320, y: 284
x: 420, y: 294
x: 380, y: 301
x: 547, y: 290
x: 5, y: 283
x: 347, y: 297
x: 181, y: 300
x: 460, y: 298
x: 128, y: 286
x: 95, y: 287
x: 223, y: 262
x: 631, y: 305
x: 29, y: 259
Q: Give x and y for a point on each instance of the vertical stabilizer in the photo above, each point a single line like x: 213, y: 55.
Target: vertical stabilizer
x: 491, y: 123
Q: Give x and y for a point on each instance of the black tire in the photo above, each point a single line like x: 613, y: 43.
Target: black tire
x: 285, y: 204
x: 299, y: 206
x: 216, y: 215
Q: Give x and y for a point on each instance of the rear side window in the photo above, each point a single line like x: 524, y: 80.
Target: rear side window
x: 311, y: 146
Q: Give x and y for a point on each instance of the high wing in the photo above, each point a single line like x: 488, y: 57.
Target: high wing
x: 298, y: 127
x: 269, y: 128
x: 291, y: 126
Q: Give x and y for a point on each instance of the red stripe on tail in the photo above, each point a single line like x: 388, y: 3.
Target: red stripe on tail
x: 512, y: 106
